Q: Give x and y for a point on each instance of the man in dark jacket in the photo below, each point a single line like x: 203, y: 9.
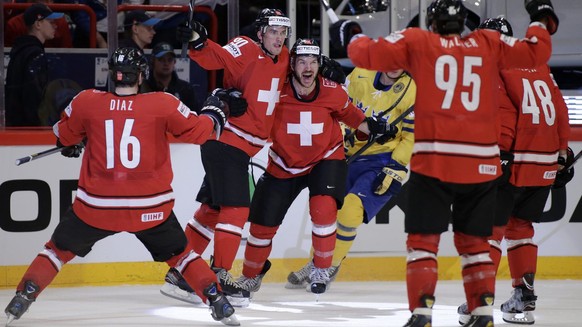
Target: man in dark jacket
x: 163, y: 77
x: 27, y: 75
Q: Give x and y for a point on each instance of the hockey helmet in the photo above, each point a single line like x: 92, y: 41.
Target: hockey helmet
x: 125, y: 65
x: 449, y: 16
x: 500, y: 24
x: 272, y: 17
x: 305, y: 47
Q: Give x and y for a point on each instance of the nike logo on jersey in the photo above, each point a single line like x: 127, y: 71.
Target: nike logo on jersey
x: 360, y: 76
x: 360, y: 194
x: 261, y: 57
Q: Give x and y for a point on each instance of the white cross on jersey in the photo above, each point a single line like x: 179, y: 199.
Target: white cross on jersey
x: 271, y: 97
x: 305, y: 128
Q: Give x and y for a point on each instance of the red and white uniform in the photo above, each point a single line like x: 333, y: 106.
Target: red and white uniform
x: 536, y: 132
x: 306, y: 133
x: 124, y: 184
x: 249, y: 69
x: 456, y: 138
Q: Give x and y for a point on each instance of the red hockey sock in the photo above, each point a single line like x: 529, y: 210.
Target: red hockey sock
x: 477, y: 268
x: 227, y: 235
x: 45, y: 267
x: 421, y: 267
x: 323, y: 210
x: 194, y: 270
x: 200, y: 229
x: 258, y: 248
x: 495, y: 245
x: 522, y: 252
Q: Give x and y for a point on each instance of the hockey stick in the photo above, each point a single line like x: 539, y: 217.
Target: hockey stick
x: 189, y: 24
x: 329, y: 11
x: 576, y: 157
x: 373, y: 140
x: 39, y: 155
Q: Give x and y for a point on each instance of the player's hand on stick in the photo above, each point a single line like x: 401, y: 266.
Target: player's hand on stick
x: 196, y: 35
x: 340, y: 34
x: 72, y: 151
x: 565, y: 169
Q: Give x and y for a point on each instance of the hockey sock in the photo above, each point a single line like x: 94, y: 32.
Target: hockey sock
x: 477, y: 268
x: 349, y: 218
x: 522, y: 252
x: 200, y: 229
x: 45, y: 267
x: 258, y: 248
x: 194, y: 270
x: 323, y: 210
x: 495, y: 245
x: 421, y: 267
x: 227, y: 235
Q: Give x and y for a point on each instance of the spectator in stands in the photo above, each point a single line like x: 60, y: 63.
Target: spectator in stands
x: 82, y: 22
x: 27, y: 74
x: 163, y: 77
x: 139, y: 29
x: 16, y: 27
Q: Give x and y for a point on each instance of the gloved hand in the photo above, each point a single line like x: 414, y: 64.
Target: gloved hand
x: 217, y: 110
x: 506, y: 162
x: 349, y: 137
x: 380, y: 130
x: 196, y: 35
x: 332, y: 70
x: 72, y: 151
x: 233, y: 98
x: 390, y: 179
x: 340, y: 34
x: 538, y: 9
x: 566, y: 172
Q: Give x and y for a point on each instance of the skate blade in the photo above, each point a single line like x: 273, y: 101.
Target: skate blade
x: 10, y: 319
x: 175, y: 292
x: 523, y: 318
x: 463, y: 319
x: 239, y: 302
x: 230, y: 321
x: 291, y: 286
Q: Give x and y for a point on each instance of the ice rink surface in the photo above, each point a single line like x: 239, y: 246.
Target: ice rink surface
x: 345, y: 304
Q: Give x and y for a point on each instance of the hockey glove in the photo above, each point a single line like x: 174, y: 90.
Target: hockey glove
x: 332, y: 70
x: 217, y: 110
x: 340, y: 34
x: 380, y: 130
x: 566, y: 174
x: 538, y: 9
x: 390, y: 179
x: 506, y: 162
x: 233, y: 98
x: 196, y: 35
x: 72, y: 151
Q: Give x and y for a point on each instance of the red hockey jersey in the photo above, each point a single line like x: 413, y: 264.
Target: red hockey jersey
x: 304, y: 133
x: 260, y: 78
x: 534, y: 124
x: 124, y: 184
x: 456, y: 132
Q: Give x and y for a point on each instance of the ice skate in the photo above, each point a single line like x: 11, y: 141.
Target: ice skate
x: 220, y: 309
x: 519, y: 308
x: 482, y: 316
x: 177, y: 288
x: 464, y: 314
x: 422, y: 316
x: 299, y: 278
x: 319, y: 279
x: 21, y: 301
x: 236, y: 295
x: 332, y: 271
x: 254, y: 284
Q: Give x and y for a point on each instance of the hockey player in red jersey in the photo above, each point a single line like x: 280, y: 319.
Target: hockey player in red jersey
x: 307, y: 151
x: 124, y: 184
x: 258, y: 70
x: 534, y: 148
x: 455, y: 158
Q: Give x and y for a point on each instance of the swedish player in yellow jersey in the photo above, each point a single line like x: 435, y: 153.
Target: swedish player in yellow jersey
x: 375, y: 175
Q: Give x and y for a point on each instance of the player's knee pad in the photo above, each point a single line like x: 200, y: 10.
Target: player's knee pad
x: 519, y: 229
x: 423, y: 242
x: 323, y: 209
x: 261, y: 234
x: 351, y: 215
x: 236, y: 216
x: 56, y: 255
x: 470, y: 243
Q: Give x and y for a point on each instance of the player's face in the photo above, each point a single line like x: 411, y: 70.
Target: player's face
x: 305, y: 70
x: 165, y: 65
x: 273, y: 38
